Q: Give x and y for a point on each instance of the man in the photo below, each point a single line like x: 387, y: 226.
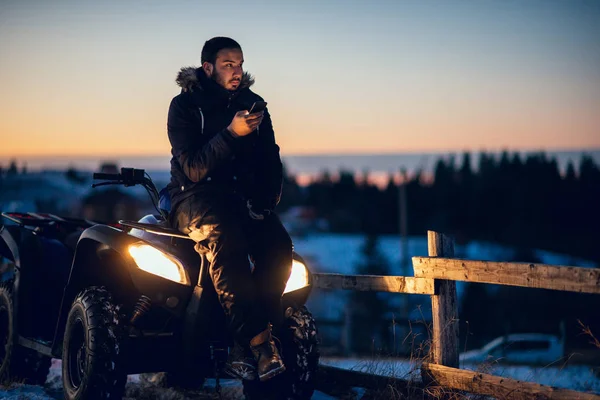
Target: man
x: 226, y: 177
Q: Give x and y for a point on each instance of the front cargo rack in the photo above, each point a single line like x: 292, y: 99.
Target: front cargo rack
x: 44, y: 219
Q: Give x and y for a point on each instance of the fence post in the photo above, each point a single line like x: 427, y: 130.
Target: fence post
x: 444, y: 309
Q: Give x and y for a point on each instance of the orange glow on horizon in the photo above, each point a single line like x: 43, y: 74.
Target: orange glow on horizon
x: 96, y: 80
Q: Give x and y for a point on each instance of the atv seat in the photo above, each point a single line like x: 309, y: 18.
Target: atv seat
x: 154, y: 230
x: 155, y: 227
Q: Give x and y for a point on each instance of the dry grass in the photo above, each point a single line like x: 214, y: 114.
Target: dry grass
x: 588, y: 332
x: 411, y: 386
x: 593, y: 340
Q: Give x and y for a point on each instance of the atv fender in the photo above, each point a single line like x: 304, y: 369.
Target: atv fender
x: 102, y: 259
x: 37, y: 265
x: 10, y: 250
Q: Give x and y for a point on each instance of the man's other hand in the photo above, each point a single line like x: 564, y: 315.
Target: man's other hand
x: 257, y: 214
x: 244, y: 124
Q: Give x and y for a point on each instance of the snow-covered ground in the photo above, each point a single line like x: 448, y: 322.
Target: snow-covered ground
x: 576, y: 377
x: 136, y: 388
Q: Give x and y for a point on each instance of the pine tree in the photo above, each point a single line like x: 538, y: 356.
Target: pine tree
x: 369, y: 328
x: 12, y: 168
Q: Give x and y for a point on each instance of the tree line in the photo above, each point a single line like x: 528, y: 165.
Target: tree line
x: 524, y: 202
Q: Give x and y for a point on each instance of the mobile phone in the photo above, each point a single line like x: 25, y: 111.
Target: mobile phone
x: 258, y: 106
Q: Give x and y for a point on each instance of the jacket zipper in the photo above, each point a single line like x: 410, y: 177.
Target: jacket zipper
x: 202, y: 120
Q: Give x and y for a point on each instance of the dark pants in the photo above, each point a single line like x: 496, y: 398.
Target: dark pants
x: 220, y: 225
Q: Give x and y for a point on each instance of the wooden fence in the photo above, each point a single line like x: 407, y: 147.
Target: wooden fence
x: 436, y: 275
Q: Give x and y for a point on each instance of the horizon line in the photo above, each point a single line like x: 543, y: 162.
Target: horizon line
x: 329, y: 154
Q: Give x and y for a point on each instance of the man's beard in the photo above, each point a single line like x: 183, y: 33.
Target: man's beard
x: 215, y: 76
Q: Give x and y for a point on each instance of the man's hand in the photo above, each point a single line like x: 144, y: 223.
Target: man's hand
x: 244, y: 124
x: 257, y: 214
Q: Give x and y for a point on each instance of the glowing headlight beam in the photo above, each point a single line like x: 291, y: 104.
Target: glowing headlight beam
x: 298, y: 278
x: 154, y: 261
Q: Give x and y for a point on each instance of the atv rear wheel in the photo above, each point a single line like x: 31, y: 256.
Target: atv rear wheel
x: 17, y: 363
x: 91, y: 364
x: 300, y: 351
x: 300, y: 344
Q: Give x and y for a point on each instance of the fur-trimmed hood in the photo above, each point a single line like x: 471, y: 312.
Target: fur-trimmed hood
x: 187, y: 78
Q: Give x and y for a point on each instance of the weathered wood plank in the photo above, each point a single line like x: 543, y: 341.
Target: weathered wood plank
x: 444, y: 309
x: 374, y: 283
x: 333, y: 381
x: 498, y: 387
x: 555, y: 277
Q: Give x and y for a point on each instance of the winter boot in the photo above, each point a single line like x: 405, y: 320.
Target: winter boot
x: 241, y: 363
x: 267, y: 356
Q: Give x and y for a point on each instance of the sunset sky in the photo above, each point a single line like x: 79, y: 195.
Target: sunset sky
x: 96, y: 78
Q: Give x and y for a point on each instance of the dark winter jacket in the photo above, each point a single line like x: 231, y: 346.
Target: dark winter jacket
x: 207, y: 157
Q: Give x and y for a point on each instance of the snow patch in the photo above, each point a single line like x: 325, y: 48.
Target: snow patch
x: 576, y: 377
x: 18, y: 392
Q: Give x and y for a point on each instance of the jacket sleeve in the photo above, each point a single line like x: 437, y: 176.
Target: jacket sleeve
x: 269, y: 169
x: 197, y: 157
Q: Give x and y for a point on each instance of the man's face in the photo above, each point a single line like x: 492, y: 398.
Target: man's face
x: 227, y: 70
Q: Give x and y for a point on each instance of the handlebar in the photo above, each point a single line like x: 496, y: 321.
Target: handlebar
x: 127, y: 177
x: 108, y: 177
x: 131, y: 177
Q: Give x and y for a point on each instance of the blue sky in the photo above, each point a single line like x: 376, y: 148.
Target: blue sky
x: 96, y: 78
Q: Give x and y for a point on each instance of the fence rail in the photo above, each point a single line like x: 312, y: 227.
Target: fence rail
x: 374, y: 283
x: 436, y: 275
x: 504, y: 388
x: 564, y: 278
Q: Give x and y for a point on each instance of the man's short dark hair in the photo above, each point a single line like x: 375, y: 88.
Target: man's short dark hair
x: 216, y: 44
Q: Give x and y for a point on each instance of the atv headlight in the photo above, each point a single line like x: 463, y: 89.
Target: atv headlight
x: 298, y: 278
x: 152, y: 260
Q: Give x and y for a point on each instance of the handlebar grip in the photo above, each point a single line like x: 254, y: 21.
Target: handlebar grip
x: 110, y: 177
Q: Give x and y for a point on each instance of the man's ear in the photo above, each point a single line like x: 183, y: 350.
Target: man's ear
x: 208, y: 68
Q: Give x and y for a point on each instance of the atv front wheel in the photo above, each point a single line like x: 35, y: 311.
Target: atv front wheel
x: 17, y: 363
x: 300, y: 351
x: 300, y: 346
x: 91, y: 364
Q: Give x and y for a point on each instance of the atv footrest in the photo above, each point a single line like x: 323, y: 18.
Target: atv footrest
x: 40, y: 347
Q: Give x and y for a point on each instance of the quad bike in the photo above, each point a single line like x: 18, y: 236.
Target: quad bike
x: 127, y: 298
